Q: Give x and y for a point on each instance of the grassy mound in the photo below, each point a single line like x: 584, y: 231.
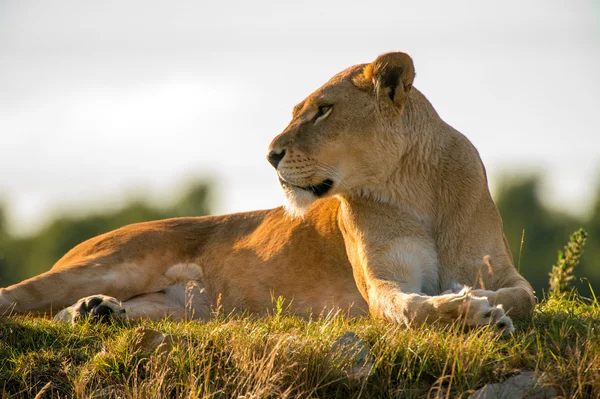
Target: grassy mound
x: 289, y: 357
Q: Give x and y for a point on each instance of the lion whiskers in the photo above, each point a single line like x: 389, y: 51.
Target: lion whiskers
x: 298, y: 201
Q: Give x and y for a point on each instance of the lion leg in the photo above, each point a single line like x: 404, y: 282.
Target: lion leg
x: 154, y: 306
x: 56, y: 289
x: 178, y: 302
x: 50, y: 291
x: 392, y: 278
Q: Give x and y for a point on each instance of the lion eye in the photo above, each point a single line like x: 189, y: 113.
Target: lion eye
x: 324, y: 110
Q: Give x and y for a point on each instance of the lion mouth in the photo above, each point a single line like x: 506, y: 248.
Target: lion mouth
x: 319, y: 190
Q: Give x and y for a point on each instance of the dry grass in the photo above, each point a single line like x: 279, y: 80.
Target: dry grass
x: 287, y: 357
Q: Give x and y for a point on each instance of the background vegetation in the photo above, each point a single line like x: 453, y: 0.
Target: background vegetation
x: 24, y: 257
x: 519, y: 202
x: 546, y: 230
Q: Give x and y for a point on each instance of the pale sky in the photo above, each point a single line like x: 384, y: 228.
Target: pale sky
x: 101, y: 99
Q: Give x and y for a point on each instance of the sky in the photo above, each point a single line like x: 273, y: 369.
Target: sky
x: 103, y: 100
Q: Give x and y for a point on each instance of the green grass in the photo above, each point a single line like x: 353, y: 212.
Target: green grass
x: 285, y: 356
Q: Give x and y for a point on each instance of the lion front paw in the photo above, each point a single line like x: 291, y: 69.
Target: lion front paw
x: 494, y: 315
x: 475, y: 311
x: 479, y: 312
x: 100, y: 308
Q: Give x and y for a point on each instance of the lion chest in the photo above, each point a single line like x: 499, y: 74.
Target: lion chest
x: 414, y: 264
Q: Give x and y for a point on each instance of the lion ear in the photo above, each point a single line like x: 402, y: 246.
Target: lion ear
x: 391, y: 76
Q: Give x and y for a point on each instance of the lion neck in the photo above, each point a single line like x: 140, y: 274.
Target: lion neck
x: 411, y: 182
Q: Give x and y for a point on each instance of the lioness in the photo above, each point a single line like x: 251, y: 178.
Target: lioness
x: 388, y: 213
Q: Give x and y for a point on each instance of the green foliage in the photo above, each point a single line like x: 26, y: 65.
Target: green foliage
x: 278, y: 303
x: 521, y: 208
x: 563, y: 272
x: 24, y: 257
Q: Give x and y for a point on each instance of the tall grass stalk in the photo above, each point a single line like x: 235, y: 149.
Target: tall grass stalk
x: 521, y: 250
x: 564, y: 271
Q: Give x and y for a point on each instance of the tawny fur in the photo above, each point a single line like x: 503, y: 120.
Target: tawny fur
x: 408, y: 218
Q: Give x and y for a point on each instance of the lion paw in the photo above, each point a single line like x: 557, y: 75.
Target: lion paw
x: 97, y: 307
x: 479, y: 312
x: 475, y: 311
x: 496, y: 316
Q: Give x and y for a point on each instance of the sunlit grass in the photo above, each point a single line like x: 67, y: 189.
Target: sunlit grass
x: 285, y: 356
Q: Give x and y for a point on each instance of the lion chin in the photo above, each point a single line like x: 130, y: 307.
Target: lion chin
x: 299, y: 199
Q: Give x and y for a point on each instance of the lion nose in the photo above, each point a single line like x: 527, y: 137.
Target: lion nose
x: 274, y: 157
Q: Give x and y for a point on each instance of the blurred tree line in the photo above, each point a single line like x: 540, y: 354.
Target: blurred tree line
x: 546, y: 231
x: 24, y: 257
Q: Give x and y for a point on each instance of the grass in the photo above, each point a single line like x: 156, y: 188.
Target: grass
x: 286, y: 357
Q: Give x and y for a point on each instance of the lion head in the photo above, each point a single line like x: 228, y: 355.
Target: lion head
x: 342, y: 136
